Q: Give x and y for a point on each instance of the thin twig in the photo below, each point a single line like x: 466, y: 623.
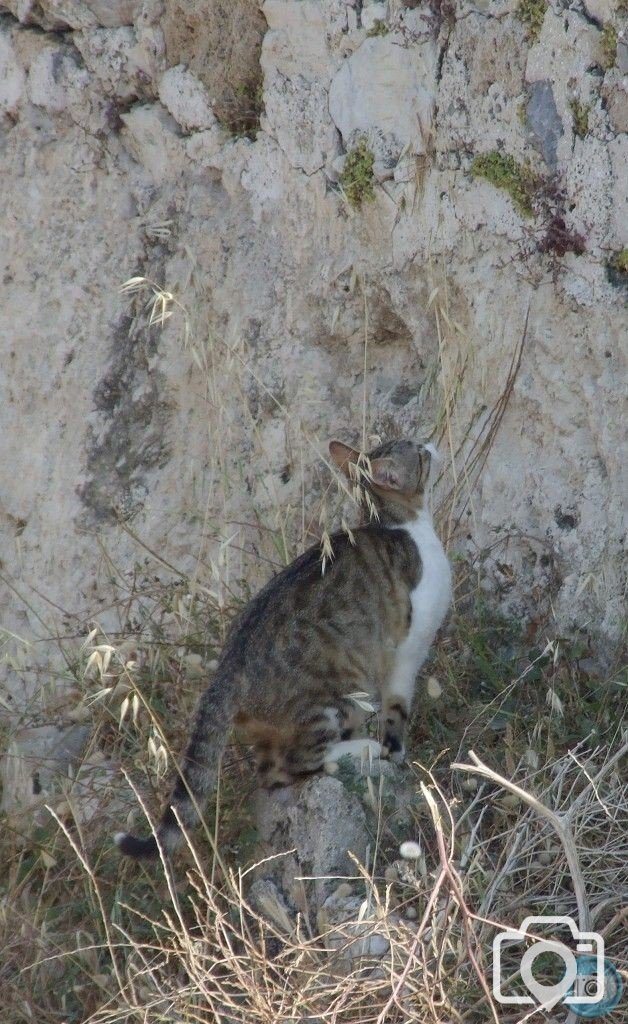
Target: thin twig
x: 558, y: 821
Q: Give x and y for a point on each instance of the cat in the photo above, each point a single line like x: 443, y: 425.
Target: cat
x: 359, y: 621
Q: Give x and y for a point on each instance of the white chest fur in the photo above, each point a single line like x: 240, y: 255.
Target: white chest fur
x: 430, y: 600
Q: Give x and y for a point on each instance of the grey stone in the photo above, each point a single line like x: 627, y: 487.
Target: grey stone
x: 600, y: 10
x: 113, y: 13
x: 267, y: 900
x: 385, y: 92
x: 544, y: 121
x: 353, y: 936
x: 615, y: 93
x: 55, y: 15
x: 119, y: 59
x: 37, y: 760
x: 315, y: 825
x: 187, y: 99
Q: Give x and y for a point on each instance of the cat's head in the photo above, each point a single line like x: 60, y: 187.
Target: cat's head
x: 396, y: 474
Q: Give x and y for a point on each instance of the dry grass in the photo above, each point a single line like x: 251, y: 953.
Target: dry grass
x: 88, y: 937
x: 162, y: 948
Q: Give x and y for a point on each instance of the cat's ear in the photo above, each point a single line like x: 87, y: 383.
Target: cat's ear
x: 387, y: 473
x: 342, y: 455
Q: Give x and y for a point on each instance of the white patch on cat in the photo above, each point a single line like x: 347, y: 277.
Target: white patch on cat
x: 333, y: 717
x: 354, y: 747
x: 436, y: 461
x: 434, y: 452
x: 430, y: 601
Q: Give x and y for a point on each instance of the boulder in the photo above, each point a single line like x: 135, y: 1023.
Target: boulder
x: 37, y: 761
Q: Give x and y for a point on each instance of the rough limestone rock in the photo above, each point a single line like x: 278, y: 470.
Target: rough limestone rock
x: 121, y: 61
x: 319, y: 856
x: 304, y: 317
x: 186, y: 99
x: 313, y: 832
x: 351, y: 928
x: 37, y: 761
x: 360, y: 93
x: 12, y: 80
x: 543, y: 120
x: 60, y: 15
x: 296, y: 105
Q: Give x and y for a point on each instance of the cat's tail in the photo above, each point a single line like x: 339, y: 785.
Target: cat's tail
x: 197, y: 774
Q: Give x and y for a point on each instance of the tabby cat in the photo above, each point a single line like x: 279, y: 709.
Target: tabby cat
x: 310, y: 638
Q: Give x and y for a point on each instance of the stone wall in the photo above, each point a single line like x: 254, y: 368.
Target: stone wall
x: 129, y: 147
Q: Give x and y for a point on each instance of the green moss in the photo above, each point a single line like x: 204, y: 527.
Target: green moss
x: 617, y: 269
x: 350, y: 776
x: 378, y: 28
x: 619, y: 262
x: 580, y: 114
x: 357, y: 175
x: 609, y: 46
x: 532, y: 14
x: 503, y: 171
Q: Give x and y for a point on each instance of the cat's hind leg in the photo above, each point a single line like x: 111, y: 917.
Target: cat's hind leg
x: 352, y: 719
x: 271, y: 766
x: 313, y: 735
x: 315, y: 741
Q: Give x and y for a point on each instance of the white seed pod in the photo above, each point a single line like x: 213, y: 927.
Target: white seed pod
x: 434, y: 689
x: 531, y: 758
x: 410, y: 850
x: 362, y: 699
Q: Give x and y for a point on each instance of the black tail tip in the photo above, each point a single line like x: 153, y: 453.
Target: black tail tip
x: 139, y: 849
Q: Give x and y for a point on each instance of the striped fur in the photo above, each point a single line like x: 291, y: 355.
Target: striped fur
x: 309, y: 639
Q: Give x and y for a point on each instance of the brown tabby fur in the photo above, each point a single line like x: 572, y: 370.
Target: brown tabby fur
x: 307, y: 641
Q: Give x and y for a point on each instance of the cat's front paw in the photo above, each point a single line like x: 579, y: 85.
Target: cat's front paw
x: 362, y: 748
x: 393, y: 743
x: 396, y: 756
x: 393, y: 726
